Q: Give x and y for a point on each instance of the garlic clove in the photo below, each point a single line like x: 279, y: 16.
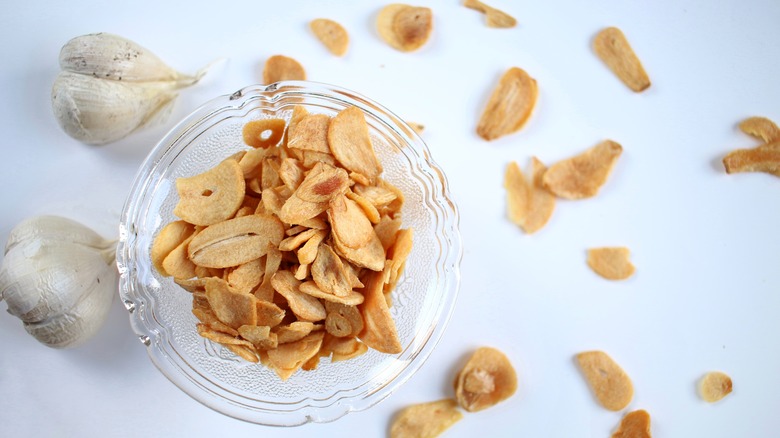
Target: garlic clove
x: 98, y: 111
x: 107, y: 56
x: 55, y: 228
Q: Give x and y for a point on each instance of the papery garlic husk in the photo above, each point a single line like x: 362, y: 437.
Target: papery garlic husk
x: 108, y: 56
x: 97, y: 111
x: 59, y: 278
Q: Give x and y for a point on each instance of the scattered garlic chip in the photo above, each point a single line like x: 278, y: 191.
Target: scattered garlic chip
x: 282, y: 68
x: 509, y: 107
x: 761, y: 128
x: 529, y: 204
x: 232, y: 307
x: 487, y: 379
x: 583, y: 175
x: 764, y: 158
x: 609, y: 383
x: 494, y: 17
x: 612, y: 47
x: 403, y: 27
x: 425, y: 420
x: 351, y: 144
x: 331, y: 34
x: 611, y: 263
x: 379, y: 331
x: 714, y: 386
x: 169, y: 237
x: 235, y: 241
x: 635, y: 424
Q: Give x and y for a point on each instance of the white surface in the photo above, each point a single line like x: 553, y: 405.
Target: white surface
x: 704, y: 243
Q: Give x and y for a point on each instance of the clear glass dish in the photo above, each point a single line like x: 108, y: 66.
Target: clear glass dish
x: 160, y: 311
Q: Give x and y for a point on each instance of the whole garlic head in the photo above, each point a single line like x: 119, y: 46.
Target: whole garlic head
x: 59, y: 278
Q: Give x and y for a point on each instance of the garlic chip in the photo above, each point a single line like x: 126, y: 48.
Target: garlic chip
x: 493, y: 17
x: 612, y: 47
x: 529, y: 204
x: 761, y: 128
x: 609, y: 383
x: 714, y: 386
x: 403, y: 27
x: 635, y: 424
x: 331, y: 34
x: 487, y: 378
x: 510, y: 105
x: 611, y: 263
x: 282, y: 68
x: 425, y: 420
x: 583, y: 175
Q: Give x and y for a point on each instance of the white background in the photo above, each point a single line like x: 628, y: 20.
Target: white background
x: 705, y: 295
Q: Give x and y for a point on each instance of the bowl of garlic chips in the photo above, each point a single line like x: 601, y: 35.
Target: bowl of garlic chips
x: 289, y: 253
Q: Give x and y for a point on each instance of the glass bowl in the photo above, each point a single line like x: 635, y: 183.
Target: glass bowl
x: 160, y: 311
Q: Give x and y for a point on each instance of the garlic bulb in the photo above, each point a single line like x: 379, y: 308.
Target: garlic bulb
x: 111, y: 86
x: 59, y: 278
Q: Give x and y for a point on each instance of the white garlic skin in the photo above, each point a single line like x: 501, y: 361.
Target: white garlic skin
x: 110, y: 86
x: 97, y: 111
x: 112, y: 57
x: 59, y: 280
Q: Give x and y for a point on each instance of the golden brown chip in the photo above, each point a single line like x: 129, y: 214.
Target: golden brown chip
x: 765, y: 158
x: 510, y: 105
x: 349, y: 223
x: 341, y: 349
x: 308, y: 252
x: 350, y: 143
x: 232, y: 307
x: 611, y: 45
x: 403, y: 27
x: 761, y: 128
x: 635, y: 424
x: 282, y: 68
x: 252, y: 163
x: 379, y: 196
x: 371, y: 256
x: 302, y: 272
x: 310, y: 133
x: 268, y: 313
x: 487, y: 379
x: 192, y: 284
x: 264, y: 133
x: 244, y: 211
x: 177, y: 264
x: 331, y: 34
x: 379, y: 330
x: 714, y: 386
x: 349, y: 321
x: 329, y: 273
x: 260, y: 336
x: 305, y: 306
x: 518, y: 194
x: 169, y: 237
x: 494, y: 17
x: 294, y: 331
x: 386, y: 230
x: 222, y: 338
x: 609, y: 383
x: 212, y: 196
x: 293, y: 242
x: 244, y: 352
x: 611, y: 263
x: 246, y: 276
x: 291, y: 173
x: 371, y: 213
x: 529, y: 204
x: 311, y: 198
x: 290, y: 357
x: 425, y: 420
x: 236, y: 241
x: 207, y: 317
x: 583, y: 175
x: 350, y: 299
x: 270, y: 174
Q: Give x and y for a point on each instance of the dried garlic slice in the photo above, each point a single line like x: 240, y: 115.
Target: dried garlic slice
x: 611, y: 263
x: 714, y: 386
x: 282, y: 68
x: 609, y: 383
x: 612, y: 47
x: 635, y: 424
x: 425, y: 420
x: 403, y: 27
x: 331, y: 34
x: 487, y: 379
x: 510, y: 105
x: 494, y: 17
x: 583, y: 175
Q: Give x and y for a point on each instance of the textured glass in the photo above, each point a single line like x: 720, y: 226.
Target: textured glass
x: 160, y: 311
